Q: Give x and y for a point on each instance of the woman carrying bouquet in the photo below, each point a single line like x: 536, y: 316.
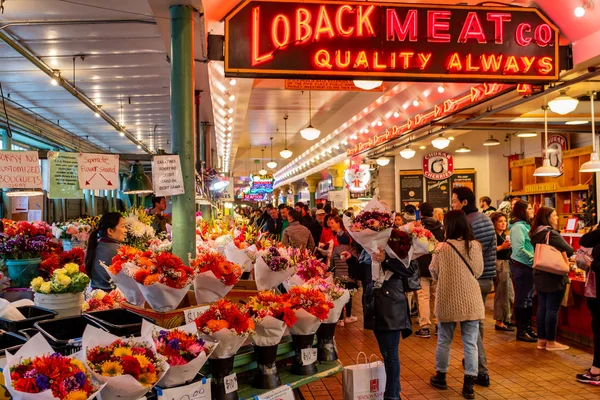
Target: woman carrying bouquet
x: 102, y: 246
x: 340, y: 268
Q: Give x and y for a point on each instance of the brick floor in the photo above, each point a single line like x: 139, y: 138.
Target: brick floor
x: 517, y: 370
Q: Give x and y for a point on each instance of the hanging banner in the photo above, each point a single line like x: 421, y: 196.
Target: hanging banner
x: 20, y: 170
x: 411, y: 188
x: 62, y: 176
x: 437, y: 193
x: 390, y: 41
x: 438, y: 165
x: 98, y: 171
x: 167, y: 179
x: 557, y: 145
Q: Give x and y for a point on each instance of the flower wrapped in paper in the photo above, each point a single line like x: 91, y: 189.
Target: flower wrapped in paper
x: 99, y: 300
x: 271, y: 316
x: 128, y: 367
x: 409, y: 242
x: 310, y: 307
x: 274, y: 265
x: 185, y: 351
x: 372, y: 228
x: 336, y: 294
x: 245, y: 257
x: 214, y: 275
x: 307, y: 269
x: 36, y: 372
x: 139, y: 228
x: 227, y: 324
x: 118, y: 271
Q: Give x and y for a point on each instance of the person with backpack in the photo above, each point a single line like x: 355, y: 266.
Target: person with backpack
x: 426, y: 295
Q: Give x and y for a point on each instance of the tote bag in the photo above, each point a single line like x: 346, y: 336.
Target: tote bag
x: 364, y: 381
x: 548, y: 259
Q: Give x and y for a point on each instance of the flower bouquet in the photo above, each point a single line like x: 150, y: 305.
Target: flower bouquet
x: 36, y: 372
x: 245, y: 257
x: 162, y: 278
x: 215, y: 275
x: 271, y: 316
x: 63, y: 293
x: 185, y: 351
x: 99, y: 300
x: 124, y: 259
x: 309, y: 268
x: 139, y: 229
x: 372, y: 228
x: 230, y: 325
x: 128, y: 367
x: 422, y: 242
x: 274, y: 265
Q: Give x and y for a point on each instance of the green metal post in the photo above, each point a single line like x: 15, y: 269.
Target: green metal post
x: 6, y: 145
x: 313, y: 199
x: 182, y: 127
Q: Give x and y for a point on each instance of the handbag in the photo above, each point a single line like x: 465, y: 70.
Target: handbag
x: 549, y: 259
x: 364, y: 381
x: 590, y: 285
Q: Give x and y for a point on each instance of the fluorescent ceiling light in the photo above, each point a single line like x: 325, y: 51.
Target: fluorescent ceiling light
x: 526, y: 134
x: 577, y: 122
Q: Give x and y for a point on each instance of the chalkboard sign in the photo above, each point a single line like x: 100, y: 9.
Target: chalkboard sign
x: 464, y: 180
x: 437, y: 193
x: 411, y: 189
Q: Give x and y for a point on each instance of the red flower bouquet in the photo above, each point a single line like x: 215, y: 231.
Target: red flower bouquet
x: 271, y: 315
x: 215, y: 275
x: 99, y: 300
x: 310, y: 306
x: 124, y: 260
x: 336, y: 294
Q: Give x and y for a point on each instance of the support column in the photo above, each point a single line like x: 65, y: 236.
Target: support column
x: 276, y: 197
x: 296, y: 186
x: 285, y: 190
x: 6, y: 145
x: 313, y: 183
x: 182, y: 127
x: 337, y: 176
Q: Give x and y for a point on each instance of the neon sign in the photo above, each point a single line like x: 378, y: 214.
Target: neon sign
x: 475, y: 95
x: 261, y: 184
x: 349, y: 40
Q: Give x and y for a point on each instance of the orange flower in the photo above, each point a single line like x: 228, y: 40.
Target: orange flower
x: 141, y: 275
x: 216, y: 325
x: 151, y: 279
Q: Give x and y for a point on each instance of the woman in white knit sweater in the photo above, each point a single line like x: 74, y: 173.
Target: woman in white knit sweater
x: 456, y: 265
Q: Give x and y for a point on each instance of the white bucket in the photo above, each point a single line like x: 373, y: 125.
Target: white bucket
x: 66, y: 304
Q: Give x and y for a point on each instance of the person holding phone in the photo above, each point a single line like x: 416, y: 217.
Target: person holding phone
x: 505, y: 293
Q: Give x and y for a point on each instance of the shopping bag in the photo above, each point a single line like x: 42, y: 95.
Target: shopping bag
x: 590, y: 285
x: 364, y: 381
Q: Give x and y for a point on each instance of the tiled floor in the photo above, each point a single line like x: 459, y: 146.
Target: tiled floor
x: 517, y: 370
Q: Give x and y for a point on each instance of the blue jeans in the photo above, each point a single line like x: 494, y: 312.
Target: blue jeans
x: 547, y: 314
x: 388, y: 346
x: 470, y: 334
x: 523, y: 284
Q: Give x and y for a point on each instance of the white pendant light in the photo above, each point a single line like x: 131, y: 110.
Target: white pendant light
x: 440, y: 142
x: 310, y: 133
x: 407, y: 153
x: 594, y: 164
x: 367, y: 85
x: 383, y: 161
x: 526, y: 134
x: 546, y: 169
x: 463, y: 149
x: 491, y: 141
x: 272, y: 164
x: 285, y: 153
x: 563, y: 104
x: 262, y: 171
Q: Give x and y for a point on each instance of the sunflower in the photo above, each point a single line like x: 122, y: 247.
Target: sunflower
x: 77, y: 364
x: 112, y: 368
x: 76, y: 395
x: 148, y: 379
x: 122, y: 351
x: 143, y: 360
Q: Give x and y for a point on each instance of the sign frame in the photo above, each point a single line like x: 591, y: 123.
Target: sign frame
x: 438, y: 176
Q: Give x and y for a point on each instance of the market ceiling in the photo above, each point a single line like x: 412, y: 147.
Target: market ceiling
x: 126, y: 71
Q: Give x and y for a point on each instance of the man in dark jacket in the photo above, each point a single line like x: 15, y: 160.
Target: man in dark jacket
x: 273, y: 225
x: 463, y: 198
x: 317, y: 226
x: 426, y: 295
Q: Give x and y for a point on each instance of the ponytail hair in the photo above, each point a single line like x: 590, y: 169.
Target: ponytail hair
x: 108, y: 221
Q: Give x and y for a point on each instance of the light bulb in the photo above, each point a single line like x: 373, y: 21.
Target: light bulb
x: 463, y: 149
x: 407, y: 153
x: 272, y: 164
x: 379, y: 123
x: 285, y: 153
x: 579, y: 12
x: 97, y: 114
x: 262, y: 172
x: 310, y: 133
x: 422, y: 147
x: 231, y: 98
x: 440, y: 142
x: 230, y: 111
x: 139, y: 147
x: 416, y: 103
x: 441, y: 89
x: 383, y: 161
x: 54, y: 82
x: 396, y: 114
x: 121, y: 133
x: 232, y: 82
x: 563, y: 104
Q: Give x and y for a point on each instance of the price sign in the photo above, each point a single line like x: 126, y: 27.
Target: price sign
x: 309, y: 356
x: 167, y: 179
x: 193, y: 313
x: 194, y: 391
x: 281, y: 393
x: 231, y: 383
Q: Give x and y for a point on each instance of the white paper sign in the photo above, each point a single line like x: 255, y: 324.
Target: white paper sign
x: 98, y: 171
x: 19, y: 204
x: 309, y: 356
x: 281, y: 393
x: 194, y: 391
x: 193, y: 313
x: 231, y: 383
x: 167, y: 179
x: 339, y: 198
x: 34, y: 215
x: 20, y: 170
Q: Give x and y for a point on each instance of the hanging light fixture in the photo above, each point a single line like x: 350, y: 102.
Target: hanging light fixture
x: 138, y: 182
x: 367, y: 85
x: 285, y: 153
x: 440, y: 142
x: 407, y: 153
x: 491, y: 141
x: 526, y: 134
x: 594, y: 164
x: 563, y: 104
x: 272, y: 164
x: 463, y: 149
x: 262, y: 171
x: 383, y: 161
x: 310, y: 133
x: 546, y: 169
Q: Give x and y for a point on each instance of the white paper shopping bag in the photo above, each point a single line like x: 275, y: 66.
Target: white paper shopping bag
x: 364, y: 381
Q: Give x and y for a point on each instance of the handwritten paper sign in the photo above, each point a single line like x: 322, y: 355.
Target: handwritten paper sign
x: 231, y: 383
x: 193, y: 313
x: 167, y: 179
x: 309, y: 356
x: 98, y: 171
x: 281, y: 393
x: 20, y: 170
x: 194, y: 391
x: 63, y: 183
x: 19, y: 204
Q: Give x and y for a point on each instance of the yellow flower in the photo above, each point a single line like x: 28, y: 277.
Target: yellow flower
x: 148, y: 379
x: 122, y: 352
x: 72, y: 268
x: 45, y: 288
x: 63, y: 279
x: 85, y: 306
x: 112, y: 368
x: 36, y: 283
x: 99, y: 294
x: 78, y: 364
x: 143, y: 360
x: 76, y: 395
x: 60, y: 271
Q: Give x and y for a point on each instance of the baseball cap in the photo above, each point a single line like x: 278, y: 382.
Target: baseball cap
x: 320, y: 211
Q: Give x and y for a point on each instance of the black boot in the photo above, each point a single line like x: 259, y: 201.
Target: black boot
x: 528, y: 327
x: 482, y: 380
x: 468, y: 392
x: 438, y: 381
x: 522, y: 335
